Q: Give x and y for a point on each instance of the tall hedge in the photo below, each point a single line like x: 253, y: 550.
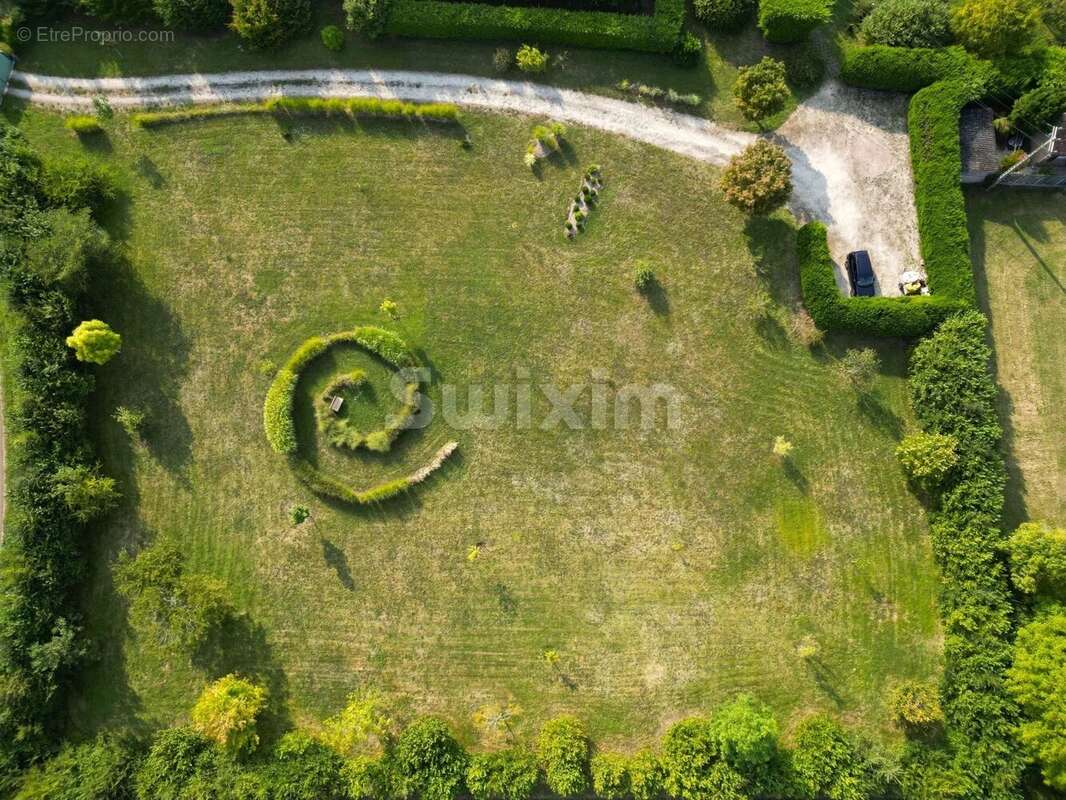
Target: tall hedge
x: 784, y: 21
x: 658, y: 33
x: 954, y: 394
x: 42, y: 560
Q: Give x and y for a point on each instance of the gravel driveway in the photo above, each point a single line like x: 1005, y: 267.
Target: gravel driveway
x: 848, y: 147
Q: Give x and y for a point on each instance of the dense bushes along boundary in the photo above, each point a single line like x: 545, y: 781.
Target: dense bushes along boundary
x: 41, y: 561
x: 297, y: 106
x: 661, y: 32
x: 954, y: 394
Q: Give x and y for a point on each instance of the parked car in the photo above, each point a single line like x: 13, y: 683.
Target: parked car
x: 860, y: 274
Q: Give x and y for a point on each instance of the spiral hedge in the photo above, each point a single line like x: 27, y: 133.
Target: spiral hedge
x: 280, y: 426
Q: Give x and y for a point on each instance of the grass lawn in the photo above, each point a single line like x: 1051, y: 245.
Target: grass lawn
x: 1019, y: 244
x: 669, y: 568
x: 589, y: 70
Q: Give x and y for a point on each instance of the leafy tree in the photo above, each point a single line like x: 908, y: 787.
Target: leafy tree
x: 193, y: 15
x: 85, y: 491
x: 1038, y: 558
x: 1037, y: 680
x: 364, y: 726
x: 227, y: 711
x: 996, y: 27
x: 908, y: 23
x: 502, y: 775
x: 859, y: 368
x: 646, y: 776
x: 131, y: 420
x: 94, y: 341
x: 829, y: 763
x: 610, y: 776
x: 305, y: 769
x: 270, y: 23
x: 746, y: 734
x: 563, y: 749
x: 761, y: 90
x: 117, y: 10
x: 915, y: 705
x: 178, y: 608
x: 693, y: 765
x: 366, y: 778
x: 76, y: 182
x: 177, y: 756
x: 1054, y: 14
x: 927, y: 458
x: 428, y: 763
x: 61, y: 256
x: 759, y: 180
x: 101, y: 769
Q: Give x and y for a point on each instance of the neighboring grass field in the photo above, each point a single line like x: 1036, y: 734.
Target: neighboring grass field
x: 1019, y: 245
x: 669, y: 569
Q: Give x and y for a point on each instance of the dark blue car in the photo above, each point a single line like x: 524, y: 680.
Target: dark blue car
x: 860, y: 274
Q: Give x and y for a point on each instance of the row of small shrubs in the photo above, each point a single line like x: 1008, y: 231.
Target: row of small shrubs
x: 661, y: 32
x: 295, y: 106
x: 906, y: 317
x: 954, y: 394
x: 278, y: 420
x: 48, y: 208
x: 361, y: 755
x: 83, y: 124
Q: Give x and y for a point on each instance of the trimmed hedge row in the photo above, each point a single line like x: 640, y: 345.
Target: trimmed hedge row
x: 954, y: 394
x: 901, y: 69
x: 933, y: 121
x: 906, y: 317
x: 347, y: 107
x: 785, y: 21
x: 658, y: 33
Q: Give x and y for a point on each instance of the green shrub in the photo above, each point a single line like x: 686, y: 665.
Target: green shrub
x: 724, y: 15
x: 760, y: 90
x: 784, y: 21
x: 915, y: 705
x: 428, y: 763
x: 176, y: 757
x: 332, y: 38
x: 829, y: 762
x: 265, y: 24
x: 502, y: 775
x: 85, y: 492
x: 563, y: 749
x: 643, y: 278
x: 302, y: 768
x: 83, y: 124
x: 227, y: 711
x: 927, y: 458
x: 759, y: 180
x: 995, y: 27
x: 368, y: 17
x: 1038, y: 559
x: 1054, y: 15
x: 804, y: 69
x: 94, y: 341
x: 1041, y: 107
x: 193, y: 15
x: 502, y: 60
x: 76, y: 182
x: 530, y: 59
x: 120, y: 11
x: 610, y: 776
x: 692, y: 763
x: 646, y: 776
x: 688, y: 50
x: 745, y: 734
x: 439, y: 19
x: 68, y: 245
x: 908, y: 23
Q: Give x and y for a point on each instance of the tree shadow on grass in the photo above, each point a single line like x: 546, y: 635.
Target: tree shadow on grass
x: 825, y: 679
x: 240, y: 646
x: 336, y: 559
x: 772, y: 244
x: 153, y: 363
x: 879, y: 415
x: 294, y: 127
